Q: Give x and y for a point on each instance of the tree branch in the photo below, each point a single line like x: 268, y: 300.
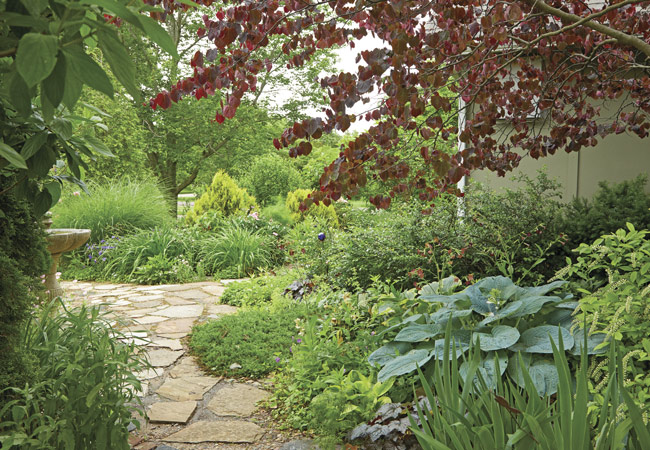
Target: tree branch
x: 621, y: 38
x: 195, y: 171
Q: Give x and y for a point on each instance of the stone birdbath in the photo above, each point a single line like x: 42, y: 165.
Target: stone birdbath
x: 60, y: 240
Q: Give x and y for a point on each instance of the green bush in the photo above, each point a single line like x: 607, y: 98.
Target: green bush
x: 85, y: 390
x: 270, y: 176
x: 614, y: 275
x: 23, y: 258
x: 165, y: 254
x: 505, y: 318
x: 610, y: 209
x: 113, y: 208
x: 224, y: 197
x: 257, y: 340
x: 235, y: 252
x: 320, y: 211
x: 257, y: 291
x: 464, y: 412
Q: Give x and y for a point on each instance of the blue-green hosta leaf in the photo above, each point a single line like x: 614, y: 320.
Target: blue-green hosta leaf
x: 480, y: 292
x: 406, y: 363
x: 538, y: 339
x: 568, y: 305
x: 545, y: 289
x: 541, y: 370
x: 500, y: 337
x: 507, y: 311
x: 449, y: 300
x: 388, y: 352
x: 419, y: 332
x: 531, y: 305
x: 593, y: 341
x: 461, y: 345
x: 443, y: 315
x: 487, y: 368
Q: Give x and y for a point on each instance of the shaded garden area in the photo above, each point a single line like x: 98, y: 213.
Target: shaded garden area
x: 360, y: 285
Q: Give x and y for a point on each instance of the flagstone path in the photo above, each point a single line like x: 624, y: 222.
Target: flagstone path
x: 187, y: 408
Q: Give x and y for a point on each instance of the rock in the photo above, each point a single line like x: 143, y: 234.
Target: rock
x: 181, y: 311
x: 235, y: 366
x: 186, y: 367
x: 149, y: 374
x: 192, y: 294
x: 215, y: 290
x: 151, y: 319
x: 236, y: 400
x: 171, y: 412
x: 234, y: 431
x: 175, y: 301
x: 175, y: 326
x: 186, y: 388
x: 300, y: 445
x: 173, y: 344
x: 165, y: 447
x: 162, y: 357
x: 130, y: 427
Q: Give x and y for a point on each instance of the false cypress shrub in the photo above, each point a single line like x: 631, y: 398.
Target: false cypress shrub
x: 320, y: 211
x: 23, y: 258
x: 224, y: 197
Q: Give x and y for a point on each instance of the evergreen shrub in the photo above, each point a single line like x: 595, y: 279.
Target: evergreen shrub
x: 319, y: 211
x: 223, y: 196
x: 23, y: 258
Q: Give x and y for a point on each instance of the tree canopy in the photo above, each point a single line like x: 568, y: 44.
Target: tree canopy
x: 505, y: 61
x: 495, y: 61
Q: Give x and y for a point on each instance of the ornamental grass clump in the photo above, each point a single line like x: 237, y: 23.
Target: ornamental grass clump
x: 113, y: 208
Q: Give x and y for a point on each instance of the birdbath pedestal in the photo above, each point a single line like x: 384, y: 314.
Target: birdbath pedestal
x: 60, y: 240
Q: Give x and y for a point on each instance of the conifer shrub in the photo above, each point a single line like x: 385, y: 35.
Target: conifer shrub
x: 23, y: 258
x: 224, y: 197
x: 320, y: 211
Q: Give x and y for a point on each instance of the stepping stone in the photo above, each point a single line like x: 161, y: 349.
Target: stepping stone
x: 192, y: 294
x: 175, y: 326
x: 172, y: 287
x: 187, y: 367
x: 162, y: 357
x: 173, y: 344
x: 175, y: 301
x: 145, y: 298
x: 236, y: 400
x: 182, y: 311
x: 186, y: 388
x: 215, y: 289
x: 149, y: 374
x: 151, y: 319
x: 171, y: 412
x: 234, y: 431
x: 104, y: 287
x: 149, y: 304
x: 141, y: 312
x: 173, y: 335
x: 221, y: 310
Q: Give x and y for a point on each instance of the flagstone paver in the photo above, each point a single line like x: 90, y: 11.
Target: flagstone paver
x: 173, y: 412
x: 221, y: 431
x: 186, y: 388
x: 162, y: 357
x: 237, y: 400
x: 187, y: 408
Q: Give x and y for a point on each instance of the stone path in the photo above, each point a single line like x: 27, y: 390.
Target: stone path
x: 187, y: 408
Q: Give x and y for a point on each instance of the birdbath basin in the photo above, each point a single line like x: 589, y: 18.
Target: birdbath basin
x: 60, y: 240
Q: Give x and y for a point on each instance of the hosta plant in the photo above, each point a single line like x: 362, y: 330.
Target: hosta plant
x: 499, y: 316
x: 473, y: 415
